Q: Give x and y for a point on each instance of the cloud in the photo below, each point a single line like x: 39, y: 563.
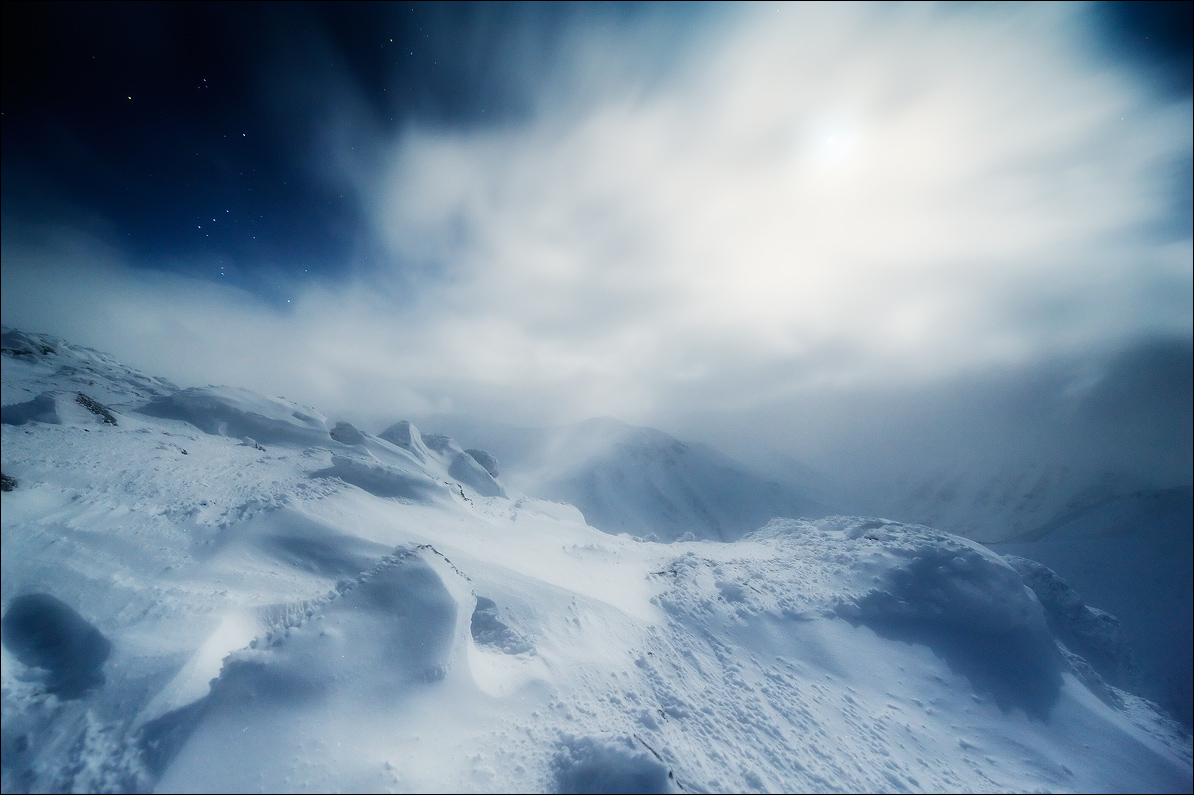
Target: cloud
x: 801, y: 198
x: 820, y: 195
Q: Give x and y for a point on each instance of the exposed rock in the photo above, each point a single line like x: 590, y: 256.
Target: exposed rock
x: 96, y: 408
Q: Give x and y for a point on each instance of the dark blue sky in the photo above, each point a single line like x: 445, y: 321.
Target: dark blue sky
x: 192, y: 136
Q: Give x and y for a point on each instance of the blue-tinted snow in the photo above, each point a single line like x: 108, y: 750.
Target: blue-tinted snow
x: 282, y: 615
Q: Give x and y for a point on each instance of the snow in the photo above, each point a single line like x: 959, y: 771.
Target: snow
x: 406, y: 436
x: 1131, y: 556
x: 1094, y: 634
x: 44, y: 632
x: 297, y: 605
x: 996, y: 502
x: 641, y: 481
x: 240, y: 414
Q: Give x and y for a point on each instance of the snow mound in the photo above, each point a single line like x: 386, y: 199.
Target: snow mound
x: 964, y: 602
x: 406, y: 436
x: 239, y: 413
x: 346, y: 433
x: 459, y: 465
x: 43, y: 408
x: 465, y: 469
x: 377, y: 640
x: 1094, y: 634
x: 779, y: 630
x: 382, y: 480
x: 487, y: 460
x: 615, y: 764
x: 462, y: 467
x: 398, y: 618
x: 58, y: 408
x: 1130, y: 556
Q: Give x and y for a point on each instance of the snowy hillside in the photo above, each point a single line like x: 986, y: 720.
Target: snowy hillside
x: 1131, y: 555
x: 999, y: 504
x: 208, y: 589
x: 640, y: 481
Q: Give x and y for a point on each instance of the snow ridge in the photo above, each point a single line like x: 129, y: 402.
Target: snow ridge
x: 273, y: 599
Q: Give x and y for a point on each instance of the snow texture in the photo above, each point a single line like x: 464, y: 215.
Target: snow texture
x: 589, y: 764
x: 1131, y: 556
x: 309, y: 612
x: 486, y: 460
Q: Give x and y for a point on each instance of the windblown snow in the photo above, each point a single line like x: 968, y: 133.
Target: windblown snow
x: 207, y: 589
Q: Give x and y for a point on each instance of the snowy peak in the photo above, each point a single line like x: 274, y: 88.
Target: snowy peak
x: 647, y: 483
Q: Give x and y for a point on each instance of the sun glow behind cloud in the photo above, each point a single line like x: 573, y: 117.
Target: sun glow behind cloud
x: 809, y: 196
x: 859, y: 194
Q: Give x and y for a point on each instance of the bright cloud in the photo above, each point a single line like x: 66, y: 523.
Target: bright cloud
x: 854, y: 194
x: 809, y: 196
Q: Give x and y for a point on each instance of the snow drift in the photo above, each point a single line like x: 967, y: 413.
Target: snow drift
x: 225, y: 591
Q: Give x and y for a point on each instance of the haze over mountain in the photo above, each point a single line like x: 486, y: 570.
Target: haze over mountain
x: 637, y: 480
x: 208, y: 589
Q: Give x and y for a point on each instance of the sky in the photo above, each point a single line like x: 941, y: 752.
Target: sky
x: 847, y: 233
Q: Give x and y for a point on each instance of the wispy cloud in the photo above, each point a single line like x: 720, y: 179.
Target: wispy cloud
x: 803, y: 197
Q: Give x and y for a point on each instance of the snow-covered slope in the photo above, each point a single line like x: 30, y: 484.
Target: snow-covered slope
x: 644, y: 482
x: 210, y: 593
x: 1131, y: 555
x: 996, y: 504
